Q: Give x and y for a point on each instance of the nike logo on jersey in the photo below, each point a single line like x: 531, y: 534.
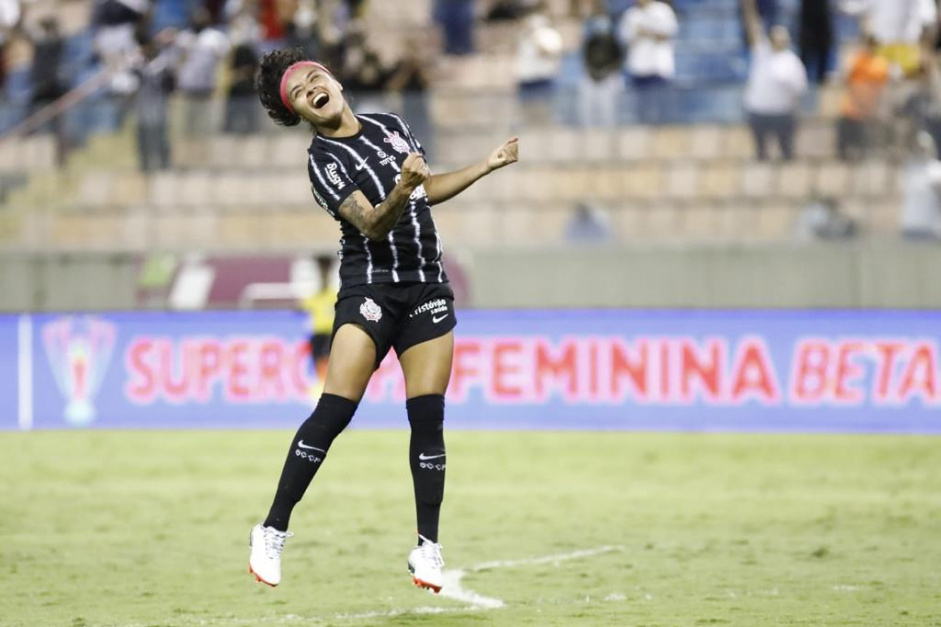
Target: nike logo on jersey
x: 437, y: 319
x: 310, y: 448
x: 425, y: 458
x: 360, y: 165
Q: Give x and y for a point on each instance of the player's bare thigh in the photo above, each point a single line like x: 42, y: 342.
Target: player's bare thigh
x: 427, y: 366
x: 351, y: 363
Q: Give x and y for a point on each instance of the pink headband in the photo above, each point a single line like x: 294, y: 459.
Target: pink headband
x: 284, y: 80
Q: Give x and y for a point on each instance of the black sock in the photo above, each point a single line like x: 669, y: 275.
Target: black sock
x: 427, y: 458
x: 308, y: 450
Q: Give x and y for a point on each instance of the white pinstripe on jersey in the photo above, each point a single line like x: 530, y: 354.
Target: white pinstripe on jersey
x: 411, y: 203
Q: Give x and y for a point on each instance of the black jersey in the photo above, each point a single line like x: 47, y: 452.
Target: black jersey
x: 371, y: 161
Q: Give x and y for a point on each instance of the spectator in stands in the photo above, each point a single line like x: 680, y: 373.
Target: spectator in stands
x: 10, y: 16
x: 822, y: 219
x: 241, y: 109
x: 47, y: 62
x: 509, y: 10
x: 816, y: 37
x: 411, y: 77
x: 155, y: 72
x: 363, y: 73
x: 45, y: 72
x: 603, y: 56
x: 648, y: 29
x: 116, y: 23
x: 900, y: 27
x: 301, y: 31
x: 538, y: 60
x: 202, y: 47
x: 588, y: 225
x: 921, y: 209
x: 456, y: 18
x: 866, y: 77
x: 921, y: 109
x: 776, y: 82
x: 767, y: 13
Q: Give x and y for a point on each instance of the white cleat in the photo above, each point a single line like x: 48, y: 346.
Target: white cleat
x: 425, y: 564
x: 264, y: 561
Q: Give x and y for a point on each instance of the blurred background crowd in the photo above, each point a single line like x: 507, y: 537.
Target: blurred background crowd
x: 132, y: 125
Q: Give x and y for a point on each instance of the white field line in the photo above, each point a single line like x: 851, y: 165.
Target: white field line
x: 452, y: 589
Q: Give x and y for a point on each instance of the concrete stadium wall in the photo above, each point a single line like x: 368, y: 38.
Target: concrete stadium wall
x: 833, y: 275
x: 77, y: 281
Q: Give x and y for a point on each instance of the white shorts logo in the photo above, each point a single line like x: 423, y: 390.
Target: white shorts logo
x: 370, y: 310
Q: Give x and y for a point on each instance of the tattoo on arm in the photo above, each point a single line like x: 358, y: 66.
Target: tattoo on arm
x: 375, y: 222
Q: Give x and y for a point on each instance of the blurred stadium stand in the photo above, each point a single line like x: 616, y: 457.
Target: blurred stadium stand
x: 691, y: 179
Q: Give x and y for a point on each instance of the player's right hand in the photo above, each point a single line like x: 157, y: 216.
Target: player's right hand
x: 414, y: 171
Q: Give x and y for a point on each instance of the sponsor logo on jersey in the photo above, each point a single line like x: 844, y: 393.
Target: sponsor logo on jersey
x: 370, y: 310
x: 417, y: 194
x: 333, y: 177
x: 78, y: 349
x: 319, y: 198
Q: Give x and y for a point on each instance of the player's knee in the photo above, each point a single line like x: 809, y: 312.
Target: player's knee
x: 426, y: 413
x: 330, y: 418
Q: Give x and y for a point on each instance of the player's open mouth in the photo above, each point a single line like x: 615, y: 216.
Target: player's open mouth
x: 321, y: 100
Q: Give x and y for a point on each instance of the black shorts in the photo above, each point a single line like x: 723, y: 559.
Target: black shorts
x: 320, y: 345
x: 397, y: 315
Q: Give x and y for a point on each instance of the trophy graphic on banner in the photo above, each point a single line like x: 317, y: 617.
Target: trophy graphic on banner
x: 79, y: 349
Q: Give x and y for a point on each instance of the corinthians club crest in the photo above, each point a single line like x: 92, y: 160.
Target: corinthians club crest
x: 79, y: 349
x: 397, y: 141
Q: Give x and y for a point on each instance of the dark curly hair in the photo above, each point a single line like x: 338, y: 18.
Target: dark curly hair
x: 268, y: 83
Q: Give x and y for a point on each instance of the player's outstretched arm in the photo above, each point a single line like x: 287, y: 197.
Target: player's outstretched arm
x: 441, y: 187
x: 376, y: 222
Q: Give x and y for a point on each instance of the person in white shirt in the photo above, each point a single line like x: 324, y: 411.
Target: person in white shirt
x: 648, y: 29
x: 538, y: 60
x: 777, y: 81
x: 203, y: 47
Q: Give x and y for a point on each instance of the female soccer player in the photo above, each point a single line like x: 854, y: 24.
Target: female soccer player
x: 369, y: 173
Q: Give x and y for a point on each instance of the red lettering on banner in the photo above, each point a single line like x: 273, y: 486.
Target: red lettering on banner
x: 387, y: 375
x: 753, y: 374
x: 141, y: 387
x: 270, y: 383
x: 886, y: 352
x: 593, y: 378
x: 208, y: 368
x: 555, y: 369
x: 237, y: 388
x: 297, y: 359
x: 465, y: 370
x: 193, y: 369
x: 809, y: 379
x: 920, y: 377
x: 699, y: 373
x: 665, y: 374
x: 848, y: 373
x: 629, y: 370
x: 174, y: 391
x: 505, y: 382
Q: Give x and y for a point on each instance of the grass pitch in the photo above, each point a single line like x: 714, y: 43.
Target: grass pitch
x: 151, y: 529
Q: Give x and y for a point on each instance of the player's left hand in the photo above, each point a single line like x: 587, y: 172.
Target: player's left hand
x: 506, y: 154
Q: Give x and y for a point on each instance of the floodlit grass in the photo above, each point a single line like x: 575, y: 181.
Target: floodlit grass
x: 151, y: 529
